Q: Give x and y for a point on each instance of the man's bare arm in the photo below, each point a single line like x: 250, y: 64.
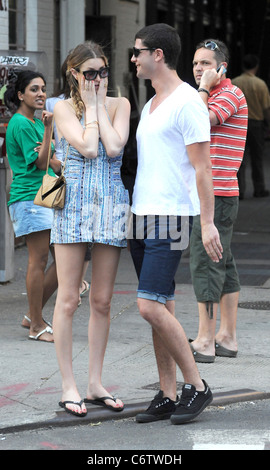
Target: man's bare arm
x: 199, y: 155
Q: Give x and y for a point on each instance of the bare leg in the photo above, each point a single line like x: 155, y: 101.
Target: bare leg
x: 85, y: 267
x: 50, y: 281
x: 173, y: 338
x: 205, y: 341
x: 39, y: 285
x: 165, y: 363
x: 226, y: 336
x: 49, y: 287
x: 105, y: 261
x: 84, y: 284
x: 69, y: 262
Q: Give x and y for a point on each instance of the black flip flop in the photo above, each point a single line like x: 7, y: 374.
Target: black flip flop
x: 75, y: 413
x: 101, y: 402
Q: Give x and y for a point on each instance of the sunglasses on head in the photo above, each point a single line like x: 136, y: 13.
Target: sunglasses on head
x: 136, y: 52
x: 92, y: 74
x: 211, y: 45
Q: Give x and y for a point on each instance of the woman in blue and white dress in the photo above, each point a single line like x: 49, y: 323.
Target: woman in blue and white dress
x: 93, y: 130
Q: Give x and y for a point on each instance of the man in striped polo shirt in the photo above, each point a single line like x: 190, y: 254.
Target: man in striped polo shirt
x: 218, y: 283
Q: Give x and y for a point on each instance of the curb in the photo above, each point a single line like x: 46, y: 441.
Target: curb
x: 101, y: 414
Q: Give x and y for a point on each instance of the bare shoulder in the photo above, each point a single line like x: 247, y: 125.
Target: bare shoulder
x: 64, y: 106
x: 113, y: 103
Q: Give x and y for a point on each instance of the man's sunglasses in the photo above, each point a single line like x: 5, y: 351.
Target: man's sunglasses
x: 211, y: 45
x: 92, y: 74
x: 136, y: 52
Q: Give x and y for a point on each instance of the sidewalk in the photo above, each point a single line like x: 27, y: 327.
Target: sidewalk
x: 30, y: 383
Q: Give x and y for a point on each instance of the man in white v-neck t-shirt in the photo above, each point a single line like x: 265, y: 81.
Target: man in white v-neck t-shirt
x: 174, y: 179
x: 166, y: 179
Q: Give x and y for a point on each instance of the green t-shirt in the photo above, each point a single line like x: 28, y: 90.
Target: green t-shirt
x: 22, y: 137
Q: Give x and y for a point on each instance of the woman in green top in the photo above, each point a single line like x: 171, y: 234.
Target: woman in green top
x: 27, y: 143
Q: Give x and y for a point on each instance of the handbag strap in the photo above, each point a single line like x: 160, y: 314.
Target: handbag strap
x: 50, y: 147
x: 49, y: 151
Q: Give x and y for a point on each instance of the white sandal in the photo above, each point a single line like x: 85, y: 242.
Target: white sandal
x: 29, y: 321
x: 48, y: 329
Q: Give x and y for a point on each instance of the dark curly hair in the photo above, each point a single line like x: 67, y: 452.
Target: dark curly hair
x: 20, y: 80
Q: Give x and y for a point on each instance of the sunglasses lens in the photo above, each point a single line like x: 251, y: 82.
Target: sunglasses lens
x: 136, y: 51
x: 104, y: 72
x: 90, y: 75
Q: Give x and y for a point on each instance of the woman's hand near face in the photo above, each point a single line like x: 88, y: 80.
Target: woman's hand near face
x: 102, y: 91
x: 88, y: 92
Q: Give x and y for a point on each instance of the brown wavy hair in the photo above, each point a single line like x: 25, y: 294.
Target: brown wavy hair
x: 81, y: 53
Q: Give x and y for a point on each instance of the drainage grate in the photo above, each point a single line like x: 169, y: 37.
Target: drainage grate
x: 256, y: 305
x: 156, y: 386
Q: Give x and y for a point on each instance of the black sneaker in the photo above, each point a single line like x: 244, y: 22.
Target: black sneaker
x: 160, y: 408
x: 191, y: 404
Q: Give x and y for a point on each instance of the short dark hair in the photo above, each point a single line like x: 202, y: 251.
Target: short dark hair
x: 20, y: 80
x: 221, y: 52
x: 250, y: 61
x: 165, y: 37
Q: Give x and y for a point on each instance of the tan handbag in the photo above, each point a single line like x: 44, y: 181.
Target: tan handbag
x: 52, y: 192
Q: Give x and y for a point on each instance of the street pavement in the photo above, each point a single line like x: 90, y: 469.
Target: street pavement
x: 30, y: 382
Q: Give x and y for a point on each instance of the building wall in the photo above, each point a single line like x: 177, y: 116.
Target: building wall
x: 72, y: 25
x: 31, y: 25
x: 45, y: 36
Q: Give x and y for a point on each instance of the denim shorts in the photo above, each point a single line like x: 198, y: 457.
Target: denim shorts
x: 27, y: 217
x: 157, y: 254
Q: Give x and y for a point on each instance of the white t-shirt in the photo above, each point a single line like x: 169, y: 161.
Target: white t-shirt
x: 166, y: 182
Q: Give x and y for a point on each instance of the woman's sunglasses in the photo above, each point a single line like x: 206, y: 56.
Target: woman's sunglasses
x: 92, y: 74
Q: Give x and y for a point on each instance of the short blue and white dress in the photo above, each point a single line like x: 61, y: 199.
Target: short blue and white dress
x: 96, y: 205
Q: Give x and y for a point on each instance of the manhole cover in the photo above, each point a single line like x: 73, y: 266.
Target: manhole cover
x: 257, y: 305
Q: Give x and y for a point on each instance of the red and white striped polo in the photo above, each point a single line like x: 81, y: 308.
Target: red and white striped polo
x: 228, y: 138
